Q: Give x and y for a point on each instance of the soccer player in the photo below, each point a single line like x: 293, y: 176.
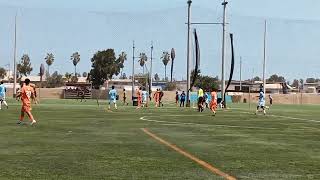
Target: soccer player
x: 156, y: 97
x: 182, y: 99
x: 214, y: 101
x: 161, y: 94
x: 125, y: 97
x: 139, y: 95
x: 26, y: 94
x: 177, y: 98
x: 144, y: 97
x: 270, y: 99
x: 3, y: 91
x: 261, y: 102
x: 200, y: 100
x: 113, y: 98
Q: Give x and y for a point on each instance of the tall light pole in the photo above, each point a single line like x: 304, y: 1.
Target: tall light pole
x: 223, y: 83
x: 151, y: 58
x: 188, y: 55
x: 240, y: 73
x: 264, y: 55
x: 133, y: 79
x: 14, y: 58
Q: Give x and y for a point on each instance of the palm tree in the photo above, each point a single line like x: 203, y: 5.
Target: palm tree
x: 173, y: 56
x: 122, y: 59
x: 75, y: 58
x: 143, y: 59
x: 165, y: 60
x: 49, y: 60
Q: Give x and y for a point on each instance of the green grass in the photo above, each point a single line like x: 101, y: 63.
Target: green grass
x: 74, y: 140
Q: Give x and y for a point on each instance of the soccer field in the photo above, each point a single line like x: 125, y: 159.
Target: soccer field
x: 74, y: 140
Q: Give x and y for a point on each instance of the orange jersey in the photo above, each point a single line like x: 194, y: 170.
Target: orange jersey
x: 214, y: 96
x: 26, y: 94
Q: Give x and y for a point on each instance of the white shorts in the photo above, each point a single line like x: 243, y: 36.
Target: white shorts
x: 112, y: 101
x: 2, y: 98
x: 262, y: 104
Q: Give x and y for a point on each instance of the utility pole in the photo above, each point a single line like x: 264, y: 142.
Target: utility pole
x: 14, y: 58
x: 133, y: 79
x: 188, y: 55
x: 151, y: 58
x: 223, y: 83
x: 264, y: 56
x: 240, y: 73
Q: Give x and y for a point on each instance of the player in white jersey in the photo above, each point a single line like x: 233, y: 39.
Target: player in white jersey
x: 261, y: 102
x: 113, y: 98
x: 3, y: 91
x: 144, y: 97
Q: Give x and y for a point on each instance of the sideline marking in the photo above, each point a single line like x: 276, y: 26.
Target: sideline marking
x: 193, y: 158
x: 206, y: 125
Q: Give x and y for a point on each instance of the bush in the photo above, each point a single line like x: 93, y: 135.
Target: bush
x: 170, y: 86
x: 55, y: 80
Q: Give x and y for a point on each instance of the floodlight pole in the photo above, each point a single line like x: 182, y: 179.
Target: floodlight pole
x: 264, y: 56
x: 240, y: 73
x: 223, y: 83
x: 151, y: 58
x: 14, y: 58
x: 188, y: 55
x: 133, y: 79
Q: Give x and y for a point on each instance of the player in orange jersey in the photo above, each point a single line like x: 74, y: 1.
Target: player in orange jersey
x: 213, y: 103
x: 139, y: 95
x: 26, y: 94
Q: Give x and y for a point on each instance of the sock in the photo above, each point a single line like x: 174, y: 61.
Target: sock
x: 115, y: 106
x: 5, y: 103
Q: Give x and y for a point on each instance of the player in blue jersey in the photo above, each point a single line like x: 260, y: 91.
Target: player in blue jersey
x: 261, y: 102
x: 3, y: 91
x: 113, y: 98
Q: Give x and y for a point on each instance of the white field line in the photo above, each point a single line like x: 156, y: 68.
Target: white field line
x: 172, y: 123
x: 285, y: 117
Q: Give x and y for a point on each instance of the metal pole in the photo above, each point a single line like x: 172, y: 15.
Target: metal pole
x: 133, y: 79
x: 188, y: 55
x: 264, y: 56
x: 151, y: 58
x: 14, y: 58
x: 240, y: 73
x: 223, y: 83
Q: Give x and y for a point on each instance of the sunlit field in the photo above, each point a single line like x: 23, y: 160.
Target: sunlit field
x: 75, y: 140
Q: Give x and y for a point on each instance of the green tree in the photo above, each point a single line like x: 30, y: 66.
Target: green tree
x: 310, y: 80
x: 55, y: 80
x: 165, y: 60
x: 295, y: 83
x: 24, y: 67
x: 275, y: 78
x: 122, y: 58
x: 104, y: 66
x: 207, y: 83
x: 68, y: 76
x: 301, y: 84
x: 170, y: 86
x: 84, y: 74
x: 75, y: 58
x: 257, y: 78
x: 49, y: 60
x: 156, y: 77
x: 173, y: 56
x: 3, y: 72
x: 123, y: 76
x: 142, y: 60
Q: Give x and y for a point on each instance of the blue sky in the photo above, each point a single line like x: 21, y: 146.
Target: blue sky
x: 62, y: 27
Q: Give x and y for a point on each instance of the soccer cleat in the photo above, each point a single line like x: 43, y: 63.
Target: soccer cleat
x: 19, y: 122
x: 33, y: 122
